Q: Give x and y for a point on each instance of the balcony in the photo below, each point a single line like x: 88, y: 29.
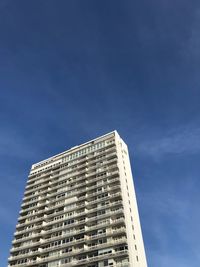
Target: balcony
x: 29, y: 229
x: 108, y: 150
x: 89, y: 203
x: 98, y: 258
x: 31, y: 244
x: 51, y: 195
x: 80, y: 166
x: 30, y: 254
x: 78, y: 251
x: 41, y: 219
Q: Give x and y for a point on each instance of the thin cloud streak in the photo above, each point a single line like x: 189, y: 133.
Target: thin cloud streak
x: 174, y: 142
x: 166, y: 260
x: 181, y: 212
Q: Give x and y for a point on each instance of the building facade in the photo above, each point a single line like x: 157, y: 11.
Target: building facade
x: 79, y: 209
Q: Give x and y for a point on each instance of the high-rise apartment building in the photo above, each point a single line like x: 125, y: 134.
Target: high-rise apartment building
x: 79, y: 209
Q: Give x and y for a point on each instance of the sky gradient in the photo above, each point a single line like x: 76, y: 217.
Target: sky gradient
x: 73, y: 70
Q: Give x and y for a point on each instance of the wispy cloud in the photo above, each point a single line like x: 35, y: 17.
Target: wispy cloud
x: 179, y: 141
x: 173, y: 221
x: 167, y: 260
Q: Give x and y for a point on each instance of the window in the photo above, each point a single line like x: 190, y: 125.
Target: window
x: 66, y: 250
x: 101, y: 212
x: 69, y: 222
x: 53, y: 264
x: 67, y: 240
x: 105, y: 251
x: 67, y: 260
x: 105, y: 263
x: 102, y: 241
x: 84, y: 151
x: 102, y: 195
x: 101, y: 231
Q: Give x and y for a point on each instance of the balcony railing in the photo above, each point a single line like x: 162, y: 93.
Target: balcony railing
x: 47, y: 197
x: 43, y: 174
x: 89, y: 203
x: 80, y: 166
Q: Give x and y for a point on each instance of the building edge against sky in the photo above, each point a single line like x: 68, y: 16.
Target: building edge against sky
x: 79, y: 208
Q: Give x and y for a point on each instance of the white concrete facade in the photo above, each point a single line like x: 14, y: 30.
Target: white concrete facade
x: 79, y: 208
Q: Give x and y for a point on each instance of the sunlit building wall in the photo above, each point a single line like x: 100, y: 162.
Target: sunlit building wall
x: 79, y: 209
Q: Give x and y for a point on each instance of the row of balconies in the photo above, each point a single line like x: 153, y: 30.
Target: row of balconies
x: 90, y: 218
x: 83, y: 184
x: 109, y: 197
x: 86, y: 228
x: 90, y: 154
x: 90, y: 228
x: 73, y: 242
x: 109, y: 175
x: 84, y: 158
x: 74, y: 253
x: 86, y: 196
x: 89, y: 248
x: 85, y: 189
x: 107, y: 165
x: 109, y: 233
x: 44, y: 233
x: 39, y: 197
x: 84, y: 221
x: 47, y: 216
x: 87, y: 260
x: 77, y: 193
x: 86, y: 212
x: 28, y: 187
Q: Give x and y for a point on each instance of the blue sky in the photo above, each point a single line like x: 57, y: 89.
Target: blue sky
x: 74, y: 70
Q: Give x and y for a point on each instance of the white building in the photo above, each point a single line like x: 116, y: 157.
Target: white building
x: 79, y: 209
